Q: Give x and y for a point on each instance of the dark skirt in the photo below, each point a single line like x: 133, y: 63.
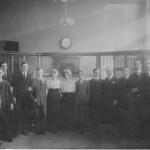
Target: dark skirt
x: 68, y: 104
x: 53, y: 105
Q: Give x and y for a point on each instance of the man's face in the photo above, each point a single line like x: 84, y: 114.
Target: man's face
x: 126, y: 72
x: 138, y: 65
x: 4, y: 67
x: 96, y: 74
x: 24, y: 67
x: 109, y: 72
x: 40, y: 73
x: 148, y: 65
x: 81, y: 75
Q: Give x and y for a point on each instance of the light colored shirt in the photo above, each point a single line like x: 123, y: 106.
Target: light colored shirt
x: 68, y: 86
x: 139, y: 72
x: 24, y: 73
x: 53, y: 83
x: 110, y: 77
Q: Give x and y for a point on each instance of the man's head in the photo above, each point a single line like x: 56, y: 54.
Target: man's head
x: 126, y: 72
x: 96, y: 73
x: 109, y: 71
x: 148, y: 64
x: 39, y: 72
x: 81, y: 75
x: 24, y: 66
x: 138, y: 65
x: 4, y: 66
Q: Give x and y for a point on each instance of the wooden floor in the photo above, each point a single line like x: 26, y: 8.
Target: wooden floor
x: 102, y: 137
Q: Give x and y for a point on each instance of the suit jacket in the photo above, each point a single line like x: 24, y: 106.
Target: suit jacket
x: 8, y: 77
x: 124, y: 87
x: 20, y: 84
x: 39, y: 92
x: 110, y: 90
x: 96, y: 92
x: 5, y: 95
x: 136, y: 96
x: 137, y: 81
x: 145, y: 104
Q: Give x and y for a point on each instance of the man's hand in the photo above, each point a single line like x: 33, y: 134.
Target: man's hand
x: 36, y: 100
x: 14, y: 100
x: 115, y: 102
x: 134, y: 90
x: 11, y: 89
x: 29, y: 89
x: 11, y: 106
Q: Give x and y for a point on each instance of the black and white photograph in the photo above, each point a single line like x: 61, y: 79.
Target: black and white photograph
x: 74, y: 74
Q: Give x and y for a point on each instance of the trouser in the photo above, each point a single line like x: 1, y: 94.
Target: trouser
x: 40, y: 124
x: 5, y: 132
x: 13, y: 120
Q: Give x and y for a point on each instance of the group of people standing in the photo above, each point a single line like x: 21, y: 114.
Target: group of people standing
x: 51, y: 103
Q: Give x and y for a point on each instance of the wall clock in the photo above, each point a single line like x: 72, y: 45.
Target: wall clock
x: 65, y: 42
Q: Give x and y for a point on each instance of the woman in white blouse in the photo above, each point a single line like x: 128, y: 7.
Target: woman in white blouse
x: 68, y: 90
x: 53, y: 100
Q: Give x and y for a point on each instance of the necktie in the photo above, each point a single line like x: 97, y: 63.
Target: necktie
x: 25, y: 75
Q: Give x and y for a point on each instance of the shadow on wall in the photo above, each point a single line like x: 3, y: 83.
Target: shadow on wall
x: 137, y: 43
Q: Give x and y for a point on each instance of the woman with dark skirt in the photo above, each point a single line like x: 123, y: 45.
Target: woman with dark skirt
x: 53, y: 101
x: 68, y: 100
x: 81, y: 102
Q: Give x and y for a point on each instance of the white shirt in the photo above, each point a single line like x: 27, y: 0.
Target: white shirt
x: 24, y: 73
x: 53, y: 83
x: 127, y: 77
x: 111, y: 77
x: 139, y: 71
x: 68, y: 86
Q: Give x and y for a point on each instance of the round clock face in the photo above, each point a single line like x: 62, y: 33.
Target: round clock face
x: 65, y: 42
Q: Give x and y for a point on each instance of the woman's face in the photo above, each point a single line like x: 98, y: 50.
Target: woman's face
x: 54, y: 74
x: 67, y: 75
x: 40, y: 73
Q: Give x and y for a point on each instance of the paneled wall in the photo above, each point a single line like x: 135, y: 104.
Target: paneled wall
x: 81, y: 61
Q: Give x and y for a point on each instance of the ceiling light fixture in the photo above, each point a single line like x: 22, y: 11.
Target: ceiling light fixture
x: 66, y: 20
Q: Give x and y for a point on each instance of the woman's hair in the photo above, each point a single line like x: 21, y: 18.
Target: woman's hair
x: 80, y: 71
x: 54, y: 70
x: 96, y: 70
x: 67, y: 71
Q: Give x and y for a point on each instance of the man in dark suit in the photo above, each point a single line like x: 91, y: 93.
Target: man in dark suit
x: 124, y: 87
x: 22, y: 81
x: 110, y: 97
x: 145, y: 103
x: 12, y: 113
x: 96, y: 98
x: 136, y: 99
x: 5, y: 105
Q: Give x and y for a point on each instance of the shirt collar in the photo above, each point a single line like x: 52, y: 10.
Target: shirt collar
x: 139, y: 71
x: 110, y: 77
